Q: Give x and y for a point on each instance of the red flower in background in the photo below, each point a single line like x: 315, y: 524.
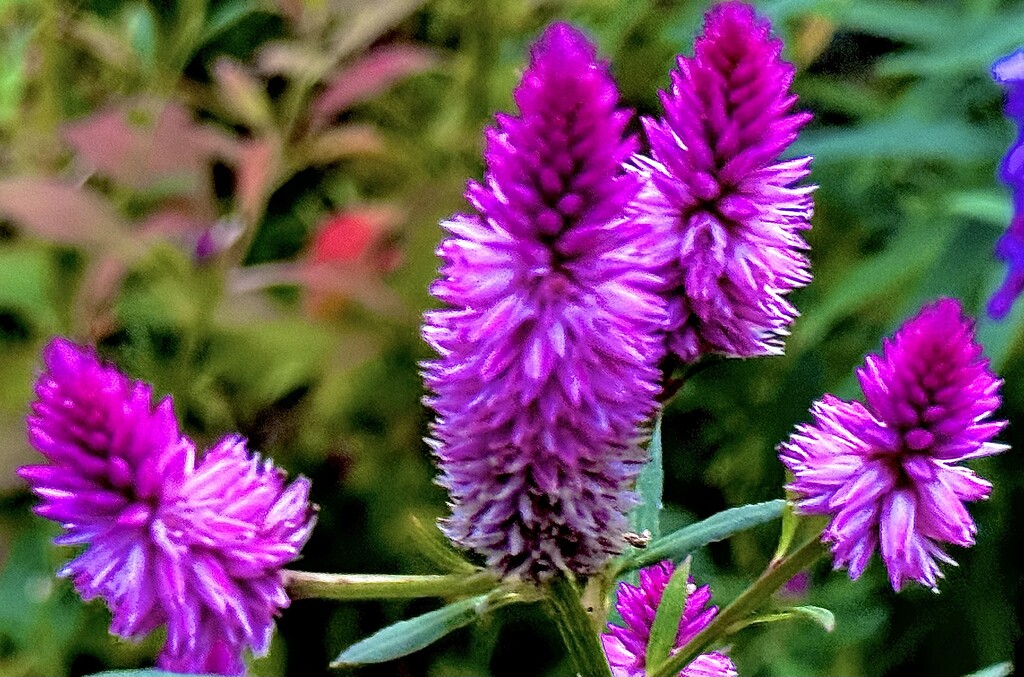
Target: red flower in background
x: 349, y: 245
x: 343, y: 237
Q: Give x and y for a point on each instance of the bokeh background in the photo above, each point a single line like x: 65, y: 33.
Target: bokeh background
x: 237, y: 200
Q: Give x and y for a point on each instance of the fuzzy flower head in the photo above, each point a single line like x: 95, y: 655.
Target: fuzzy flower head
x: 549, y: 345
x: 887, y: 471
x: 626, y: 647
x: 731, y: 210
x: 1009, y: 71
x: 195, y: 544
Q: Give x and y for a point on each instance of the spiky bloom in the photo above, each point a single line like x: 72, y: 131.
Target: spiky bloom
x: 732, y: 212
x: 626, y: 647
x: 887, y: 471
x: 1009, y: 71
x: 196, y: 544
x: 549, y: 346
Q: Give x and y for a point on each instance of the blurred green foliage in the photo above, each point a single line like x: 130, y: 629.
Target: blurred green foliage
x: 131, y: 130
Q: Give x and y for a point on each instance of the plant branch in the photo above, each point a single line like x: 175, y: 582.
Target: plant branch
x: 576, y: 629
x: 350, y: 587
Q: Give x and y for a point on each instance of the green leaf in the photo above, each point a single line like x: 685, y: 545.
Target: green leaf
x: 226, y: 16
x: 645, y: 516
x: 145, y: 672
x: 900, y: 21
x: 432, y: 544
x: 679, y: 544
x: 12, y: 73
x: 140, y: 24
x: 789, y: 525
x: 27, y: 281
x: 988, y: 206
x: 913, y: 248
x: 1004, y: 669
x: 900, y: 138
x: 823, y: 617
x: 409, y: 636
x: 666, y: 619
x: 1000, y: 337
x: 972, y: 53
x: 35, y: 611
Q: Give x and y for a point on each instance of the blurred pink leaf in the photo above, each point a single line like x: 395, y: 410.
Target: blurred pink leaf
x: 94, y: 303
x: 173, y: 221
x: 369, y: 76
x: 338, y: 143
x: 258, y: 164
x: 54, y: 211
x: 290, y: 9
x: 145, y: 142
x: 354, y: 280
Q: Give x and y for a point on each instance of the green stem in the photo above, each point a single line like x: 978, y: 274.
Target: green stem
x: 350, y: 587
x: 45, y: 153
x: 295, y: 102
x: 576, y: 629
x: 774, y: 577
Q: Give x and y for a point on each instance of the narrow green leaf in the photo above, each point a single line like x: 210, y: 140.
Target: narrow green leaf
x: 679, y: 544
x: 645, y: 516
x: 666, y: 619
x: 971, y: 54
x: 432, y: 544
x: 409, y: 636
x: 1004, y: 669
x: 145, y: 672
x: 912, y: 249
x: 141, y: 27
x: 988, y: 206
x: 900, y: 21
x: 1001, y: 338
x: 823, y: 617
x: 900, y: 138
x: 226, y: 16
x: 789, y: 524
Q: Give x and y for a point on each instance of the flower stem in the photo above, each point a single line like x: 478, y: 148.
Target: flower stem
x: 576, y: 629
x: 773, y: 578
x: 350, y: 587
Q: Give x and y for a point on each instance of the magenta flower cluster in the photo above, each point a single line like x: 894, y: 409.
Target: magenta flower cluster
x: 626, y: 645
x: 888, y: 471
x: 584, y: 263
x: 549, y: 347
x: 732, y: 212
x: 193, y: 542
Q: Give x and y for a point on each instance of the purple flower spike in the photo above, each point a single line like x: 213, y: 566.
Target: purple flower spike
x: 730, y: 208
x: 626, y: 647
x: 197, y: 545
x: 887, y: 471
x: 550, y: 344
x: 1009, y: 71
